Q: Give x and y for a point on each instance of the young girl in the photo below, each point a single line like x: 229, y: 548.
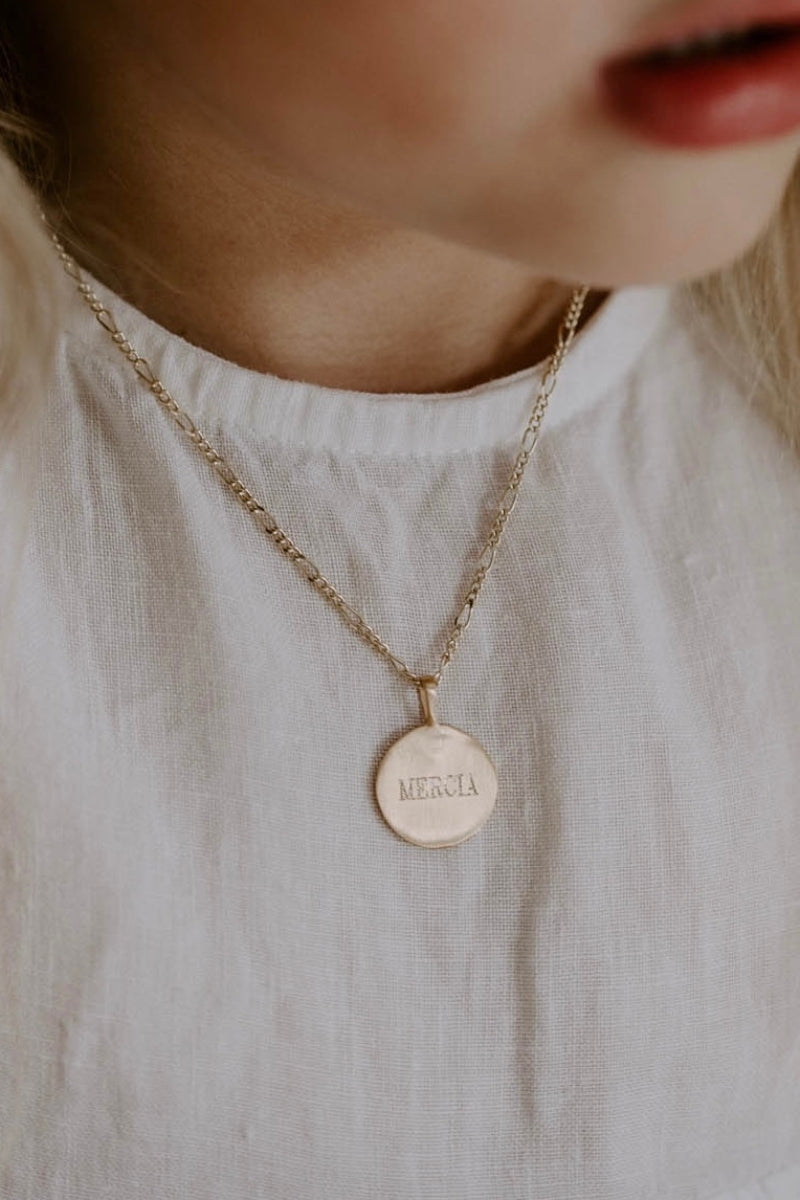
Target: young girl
x: 400, y: 715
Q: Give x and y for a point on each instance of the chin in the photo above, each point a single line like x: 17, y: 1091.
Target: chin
x: 678, y: 257
x: 637, y: 220
x: 645, y: 249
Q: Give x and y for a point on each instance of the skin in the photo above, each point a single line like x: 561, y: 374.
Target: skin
x: 375, y: 195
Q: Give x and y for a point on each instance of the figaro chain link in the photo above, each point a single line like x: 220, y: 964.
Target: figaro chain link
x: 269, y: 524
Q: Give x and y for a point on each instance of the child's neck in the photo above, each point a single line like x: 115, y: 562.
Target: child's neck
x: 181, y: 217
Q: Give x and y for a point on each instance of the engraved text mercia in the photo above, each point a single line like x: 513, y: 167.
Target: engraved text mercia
x: 432, y: 787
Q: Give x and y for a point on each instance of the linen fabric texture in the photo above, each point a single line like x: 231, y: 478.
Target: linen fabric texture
x: 234, y: 981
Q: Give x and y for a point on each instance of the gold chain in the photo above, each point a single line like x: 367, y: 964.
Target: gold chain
x: 281, y: 539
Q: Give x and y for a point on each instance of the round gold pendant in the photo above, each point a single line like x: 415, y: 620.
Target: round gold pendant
x: 436, y: 786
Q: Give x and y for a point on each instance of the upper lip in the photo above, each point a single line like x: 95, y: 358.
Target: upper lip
x: 697, y: 17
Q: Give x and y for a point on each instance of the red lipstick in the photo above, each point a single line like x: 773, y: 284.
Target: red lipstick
x: 717, y: 73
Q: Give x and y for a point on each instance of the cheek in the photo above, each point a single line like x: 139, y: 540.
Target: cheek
x: 355, y: 77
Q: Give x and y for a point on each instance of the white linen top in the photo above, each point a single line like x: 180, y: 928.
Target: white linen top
x: 237, y: 983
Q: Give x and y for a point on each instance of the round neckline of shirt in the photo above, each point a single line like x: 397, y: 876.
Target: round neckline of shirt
x: 219, y: 393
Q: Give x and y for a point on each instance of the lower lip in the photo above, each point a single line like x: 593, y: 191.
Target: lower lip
x: 709, y: 101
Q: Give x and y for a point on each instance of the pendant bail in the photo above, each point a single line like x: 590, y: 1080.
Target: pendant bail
x: 427, y: 698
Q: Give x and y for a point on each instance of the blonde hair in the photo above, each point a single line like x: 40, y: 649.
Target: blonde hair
x: 750, y: 313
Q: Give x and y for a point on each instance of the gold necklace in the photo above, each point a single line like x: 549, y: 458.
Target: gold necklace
x: 436, y: 786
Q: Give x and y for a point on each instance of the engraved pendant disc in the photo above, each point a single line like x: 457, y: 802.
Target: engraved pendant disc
x: 436, y: 786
